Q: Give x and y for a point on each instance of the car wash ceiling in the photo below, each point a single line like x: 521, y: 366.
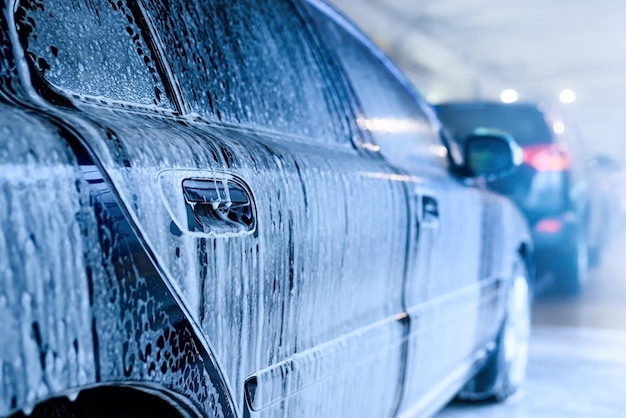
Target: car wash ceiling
x: 466, y: 49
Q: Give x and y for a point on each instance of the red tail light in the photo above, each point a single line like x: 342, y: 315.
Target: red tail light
x: 550, y: 226
x: 546, y: 157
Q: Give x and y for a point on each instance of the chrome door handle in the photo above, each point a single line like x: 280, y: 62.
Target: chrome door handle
x: 219, y: 206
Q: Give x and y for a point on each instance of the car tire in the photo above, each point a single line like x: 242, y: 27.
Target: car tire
x: 504, y: 371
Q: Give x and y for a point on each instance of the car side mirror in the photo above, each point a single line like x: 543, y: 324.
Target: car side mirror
x: 491, y: 154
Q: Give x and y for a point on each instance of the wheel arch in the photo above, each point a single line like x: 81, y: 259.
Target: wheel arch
x: 112, y: 400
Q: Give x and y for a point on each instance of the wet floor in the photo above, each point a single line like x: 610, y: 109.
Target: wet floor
x: 578, y: 353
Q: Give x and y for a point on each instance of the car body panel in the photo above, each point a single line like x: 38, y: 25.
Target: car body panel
x: 93, y: 309
x: 248, y: 291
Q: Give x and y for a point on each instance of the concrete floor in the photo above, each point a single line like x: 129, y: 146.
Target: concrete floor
x: 578, y: 353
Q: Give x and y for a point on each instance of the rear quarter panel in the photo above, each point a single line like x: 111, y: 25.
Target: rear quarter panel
x: 82, y: 303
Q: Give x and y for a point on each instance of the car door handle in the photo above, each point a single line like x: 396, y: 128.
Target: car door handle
x: 429, y: 212
x: 218, y: 206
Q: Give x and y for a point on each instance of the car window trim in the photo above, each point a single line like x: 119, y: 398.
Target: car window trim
x: 38, y: 86
x: 153, y: 41
x: 361, y: 139
x: 367, y: 141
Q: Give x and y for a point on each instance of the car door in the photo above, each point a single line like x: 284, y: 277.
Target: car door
x: 230, y: 148
x: 450, y: 287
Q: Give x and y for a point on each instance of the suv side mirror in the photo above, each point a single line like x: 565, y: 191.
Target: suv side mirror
x: 491, y: 154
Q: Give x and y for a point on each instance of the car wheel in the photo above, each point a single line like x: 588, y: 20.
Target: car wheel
x: 571, y: 268
x: 504, y: 371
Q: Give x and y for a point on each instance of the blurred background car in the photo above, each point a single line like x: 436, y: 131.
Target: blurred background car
x: 550, y: 187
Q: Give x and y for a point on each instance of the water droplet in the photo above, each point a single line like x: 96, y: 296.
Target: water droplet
x: 28, y: 410
x: 72, y: 395
x: 26, y: 299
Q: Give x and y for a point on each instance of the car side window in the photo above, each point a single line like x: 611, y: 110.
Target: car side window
x: 250, y: 62
x: 392, y: 115
x: 90, y: 48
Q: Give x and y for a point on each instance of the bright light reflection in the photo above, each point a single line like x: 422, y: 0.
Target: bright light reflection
x: 370, y: 147
x: 433, y: 97
x: 567, y: 96
x: 393, y: 125
x: 438, y: 150
x: 558, y: 127
x: 392, y: 177
x: 509, y: 96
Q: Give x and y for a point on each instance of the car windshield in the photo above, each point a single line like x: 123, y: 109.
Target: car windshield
x: 525, y: 124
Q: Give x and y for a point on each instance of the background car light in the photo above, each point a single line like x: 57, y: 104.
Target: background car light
x: 509, y: 96
x: 567, y: 96
x: 550, y: 226
x: 558, y: 127
x: 546, y: 157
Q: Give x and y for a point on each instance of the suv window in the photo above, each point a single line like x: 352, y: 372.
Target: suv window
x: 525, y: 123
x: 250, y: 62
x: 391, y: 113
x: 91, y: 48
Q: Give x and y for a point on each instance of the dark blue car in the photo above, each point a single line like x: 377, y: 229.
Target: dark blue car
x: 241, y: 209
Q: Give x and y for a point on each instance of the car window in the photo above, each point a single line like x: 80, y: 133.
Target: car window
x: 526, y: 124
x: 391, y: 113
x: 92, y: 48
x: 249, y: 62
